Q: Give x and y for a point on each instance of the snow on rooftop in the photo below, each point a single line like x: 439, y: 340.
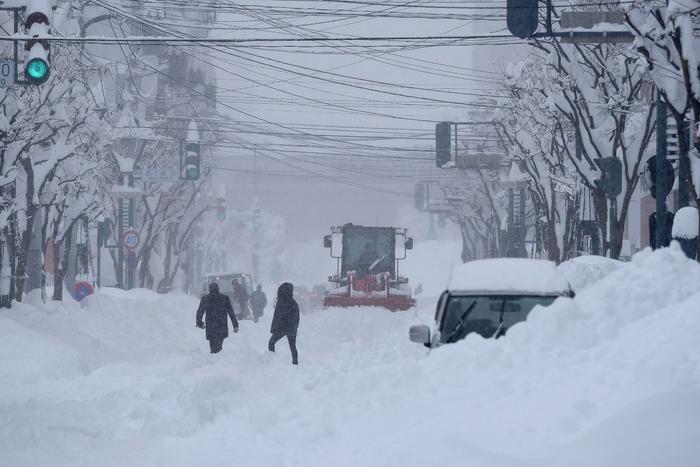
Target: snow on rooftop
x: 509, y: 275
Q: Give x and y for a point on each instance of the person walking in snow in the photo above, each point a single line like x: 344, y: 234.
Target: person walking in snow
x: 240, y: 295
x: 285, y: 321
x: 216, y: 306
x: 258, y: 302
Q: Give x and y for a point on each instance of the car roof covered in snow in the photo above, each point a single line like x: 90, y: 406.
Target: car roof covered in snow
x: 509, y: 276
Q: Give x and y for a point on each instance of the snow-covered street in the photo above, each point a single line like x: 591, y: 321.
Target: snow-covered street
x: 349, y: 233
x: 609, y: 378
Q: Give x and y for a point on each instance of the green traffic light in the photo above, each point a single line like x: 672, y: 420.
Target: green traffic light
x: 192, y: 173
x: 37, y: 70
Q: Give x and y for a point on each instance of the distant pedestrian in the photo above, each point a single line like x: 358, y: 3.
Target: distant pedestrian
x: 258, y: 302
x: 215, y: 307
x: 285, y: 321
x: 240, y: 296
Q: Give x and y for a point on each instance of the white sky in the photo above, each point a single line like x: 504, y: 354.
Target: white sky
x: 278, y: 99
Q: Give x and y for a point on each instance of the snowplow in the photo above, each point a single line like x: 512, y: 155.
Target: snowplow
x: 368, y: 267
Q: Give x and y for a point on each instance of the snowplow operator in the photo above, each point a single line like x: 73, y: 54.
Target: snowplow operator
x: 216, y: 306
x: 369, y: 259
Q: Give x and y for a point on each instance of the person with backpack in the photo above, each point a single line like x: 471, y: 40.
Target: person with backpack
x: 285, y: 321
x: 258, y: 302
x: 215, y: 307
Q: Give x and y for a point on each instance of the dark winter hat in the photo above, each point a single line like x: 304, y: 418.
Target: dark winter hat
x: 213, y: 287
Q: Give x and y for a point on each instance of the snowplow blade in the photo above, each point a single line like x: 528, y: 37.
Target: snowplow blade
x: 390, y: 303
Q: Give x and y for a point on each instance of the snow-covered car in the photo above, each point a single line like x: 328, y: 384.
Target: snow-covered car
x: 489, y: 296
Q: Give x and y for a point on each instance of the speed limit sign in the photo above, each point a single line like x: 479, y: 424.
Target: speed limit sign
x: 131, y: 239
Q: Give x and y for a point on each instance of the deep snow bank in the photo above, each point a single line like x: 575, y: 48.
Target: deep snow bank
x: 586, y: 270
x: 609, y: 378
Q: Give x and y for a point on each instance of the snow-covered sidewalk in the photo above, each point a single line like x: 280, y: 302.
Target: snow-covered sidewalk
x: 611, y: 377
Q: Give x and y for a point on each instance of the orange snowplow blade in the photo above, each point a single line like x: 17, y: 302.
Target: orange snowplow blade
x: 390, y: 303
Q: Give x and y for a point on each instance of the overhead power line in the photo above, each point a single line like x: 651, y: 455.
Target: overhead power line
x: 230, y: 40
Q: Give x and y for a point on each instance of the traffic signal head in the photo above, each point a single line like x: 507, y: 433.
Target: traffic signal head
x: 37, y: 66
x: 221, y: 210
x: 521, y: 17
x: 192, y: 161
x: 654, y: 179
x: 443, y: 143
x: 610, y: 181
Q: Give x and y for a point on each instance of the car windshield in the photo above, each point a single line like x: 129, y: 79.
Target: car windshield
x: 486, y: 315
x: 368, y: 249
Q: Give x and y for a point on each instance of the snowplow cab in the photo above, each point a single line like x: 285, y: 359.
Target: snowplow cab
x: 368, y: 267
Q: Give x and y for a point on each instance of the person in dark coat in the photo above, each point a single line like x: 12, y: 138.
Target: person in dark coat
x: 216, y: 306
x: 258, y: 302
x: 285, y: 320
x: 240, y: 295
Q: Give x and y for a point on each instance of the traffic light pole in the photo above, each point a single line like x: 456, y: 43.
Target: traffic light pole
x: 684, y: 145
x: 612, y: 225
x: 662, y: 177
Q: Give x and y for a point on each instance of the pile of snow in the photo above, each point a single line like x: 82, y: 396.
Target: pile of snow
x: 583, y: 271
x: 611, y: 377
x: 511, y: 274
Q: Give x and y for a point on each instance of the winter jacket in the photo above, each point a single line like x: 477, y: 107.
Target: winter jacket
x: 216, y: 306
x: 286, y: 317
x: 258, y: 301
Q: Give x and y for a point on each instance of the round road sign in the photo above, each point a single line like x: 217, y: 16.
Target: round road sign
x: 131, y: 239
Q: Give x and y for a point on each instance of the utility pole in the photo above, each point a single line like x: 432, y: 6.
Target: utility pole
x: 126, y: 192
x: 257, y: 214
x: 685, y: 142
x: 5, y: 277
x: 662, y: 178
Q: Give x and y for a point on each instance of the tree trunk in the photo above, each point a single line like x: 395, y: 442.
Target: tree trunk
x: 30, y: 212
x: 61, y: 263
x: 21, y: 270
x: 118, y: 268
x: 165, y: 283
x: 58, y: 273
x: 600, y: 207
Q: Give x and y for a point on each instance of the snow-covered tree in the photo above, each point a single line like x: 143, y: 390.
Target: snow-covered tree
x: 534, y: 139
x: 48, y: 136
x: 668, y: 36
x: 597, y: 90
x: 478, y: 204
